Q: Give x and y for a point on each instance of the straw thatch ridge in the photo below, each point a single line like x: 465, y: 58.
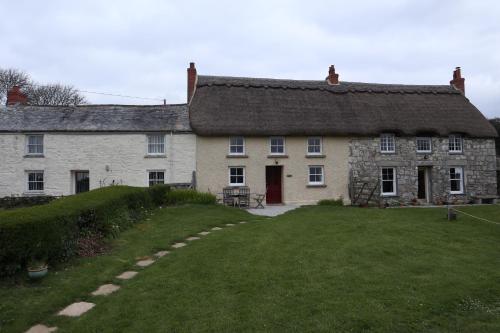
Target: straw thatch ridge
x: 254, y: 107
x: 95, y: 118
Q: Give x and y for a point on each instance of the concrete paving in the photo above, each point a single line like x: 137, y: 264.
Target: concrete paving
x: 105, y: 290
x: 41, y: 329
x: 126, y: 275
x: 145, y: 262
x: 76, y: 309
x: 274, y: 210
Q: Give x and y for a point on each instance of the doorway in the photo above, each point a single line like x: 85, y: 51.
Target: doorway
x: 274, y: 175
x: 81, y: 181
x: 424, y: 188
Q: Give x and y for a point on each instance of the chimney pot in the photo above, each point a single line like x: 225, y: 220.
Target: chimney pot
x: 16, y: 96
x: 192, y: 77
x: 333, y: 78
x: 458, y: 81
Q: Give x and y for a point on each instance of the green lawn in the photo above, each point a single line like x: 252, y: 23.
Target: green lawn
x: 312, y: 269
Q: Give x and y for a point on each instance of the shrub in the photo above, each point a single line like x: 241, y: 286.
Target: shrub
x: 158, y: 193
x: 179, y: 197
x: 50, y: 232
x: 331, y: 202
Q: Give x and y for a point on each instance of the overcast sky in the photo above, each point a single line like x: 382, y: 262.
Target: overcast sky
x: 142, y: 48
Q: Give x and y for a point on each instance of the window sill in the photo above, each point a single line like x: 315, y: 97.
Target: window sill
x: 457, y: 193
x: 33, y: 193
x: 455, y: 152
x: 388, y: 152
x: 316, y: 186
x: 277, y: 156
x: 424, y: 152
x: 315, y: 156
x: 155, y: 156
x: 237, y: 156
x: 389, y: 195
x: 34, y: 156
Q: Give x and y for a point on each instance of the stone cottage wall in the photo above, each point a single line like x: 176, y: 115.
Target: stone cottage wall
x: 478, y: 160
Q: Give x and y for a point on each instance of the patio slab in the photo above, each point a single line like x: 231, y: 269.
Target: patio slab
x: 193, y: 238
x: 160, y: 254
x: 178, y: 245
x: 272, y: 211
x: 105, y: 290
x: 41, y: 329
x: 145, y: 262
x: 126, y: 275
x: 76, y: 309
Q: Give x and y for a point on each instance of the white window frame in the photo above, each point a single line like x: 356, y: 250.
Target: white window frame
x: 461, y: 179
x: 229, y: 176
x: 157, y: 144
x: 271, y: 145
x: 384, y: 145
x: 28, y: 145
x: 155, y: 171
x: 322, y: 174
x: 320, y: 145
x: 236, y: 145
x: 424, y: 138
x: 28, y: 172
x: 452, y: 141
x: 394, y: 182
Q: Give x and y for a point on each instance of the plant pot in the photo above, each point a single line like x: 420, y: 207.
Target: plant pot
x: 36, y: 273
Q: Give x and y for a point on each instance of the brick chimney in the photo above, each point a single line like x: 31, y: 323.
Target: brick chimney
x: 16, y: 96
x: 458, y: 81
x: 192, y: 78
x: 333, y: 78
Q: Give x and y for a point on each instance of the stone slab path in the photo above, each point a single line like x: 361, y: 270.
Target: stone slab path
x: 76, y: 309
x: 160, y: 254
x: 178, y: 245
x: 204, y: 233
x: 190, y: 239
x: 127, y: 275
x: 105, y: 290
x: 41, y: 329
x: 216, y: 228
x: 229, y: 225
x: 145, y: 262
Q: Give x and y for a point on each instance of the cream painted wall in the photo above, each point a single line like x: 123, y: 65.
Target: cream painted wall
x: 212, y: 166
x: 63, y: 153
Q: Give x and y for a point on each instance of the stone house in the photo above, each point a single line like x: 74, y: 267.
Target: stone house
x: 300, y: 141
x: 65, y: 150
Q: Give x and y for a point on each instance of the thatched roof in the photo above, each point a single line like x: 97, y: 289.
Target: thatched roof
x: 252, y: 107
x: 95, y: 118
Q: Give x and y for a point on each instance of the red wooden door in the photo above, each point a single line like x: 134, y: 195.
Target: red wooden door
x: 273, y: 184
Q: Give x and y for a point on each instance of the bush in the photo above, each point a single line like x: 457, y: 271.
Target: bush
x: 331, y: 202
x: 179, y: 197
x: 158, y: 193
x: 51, y: 232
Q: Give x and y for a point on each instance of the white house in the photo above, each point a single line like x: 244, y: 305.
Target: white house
x: 47, y: 150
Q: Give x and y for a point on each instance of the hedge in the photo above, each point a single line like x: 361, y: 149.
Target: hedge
x: 50, y: 232
x: 179, y: 197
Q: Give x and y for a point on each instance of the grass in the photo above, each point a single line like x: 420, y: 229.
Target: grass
x: 319, y: 268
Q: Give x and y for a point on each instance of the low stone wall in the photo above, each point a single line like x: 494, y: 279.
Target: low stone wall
x: 478, y: 161
x: 17, y: 202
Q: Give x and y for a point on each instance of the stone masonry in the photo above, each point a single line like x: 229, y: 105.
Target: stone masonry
x: 477, y: 159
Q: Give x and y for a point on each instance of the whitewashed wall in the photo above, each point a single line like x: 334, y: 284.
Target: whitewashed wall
x: 107, y: 156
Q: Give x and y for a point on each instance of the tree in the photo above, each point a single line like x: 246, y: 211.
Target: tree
x: 38, y: 94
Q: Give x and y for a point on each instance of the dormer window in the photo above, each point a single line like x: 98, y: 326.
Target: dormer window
x: 387, y: 143
x: 455, y: 143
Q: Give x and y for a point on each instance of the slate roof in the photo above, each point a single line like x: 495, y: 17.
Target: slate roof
x: 95, y: 118
x: 256, y: 106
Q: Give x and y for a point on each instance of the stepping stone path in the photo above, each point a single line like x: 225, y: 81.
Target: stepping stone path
x: 105, y: 290
x: 145, y: 262
x: 216, y: 228
x: 178, y: 245
x: 204, y: 233
x: 190, y: 239
x: 243, y: 222
x: 126, y: 275
x: 41, y: 329
x: 230, y: 225
x: 160, y: 254
x: 76, y: 309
